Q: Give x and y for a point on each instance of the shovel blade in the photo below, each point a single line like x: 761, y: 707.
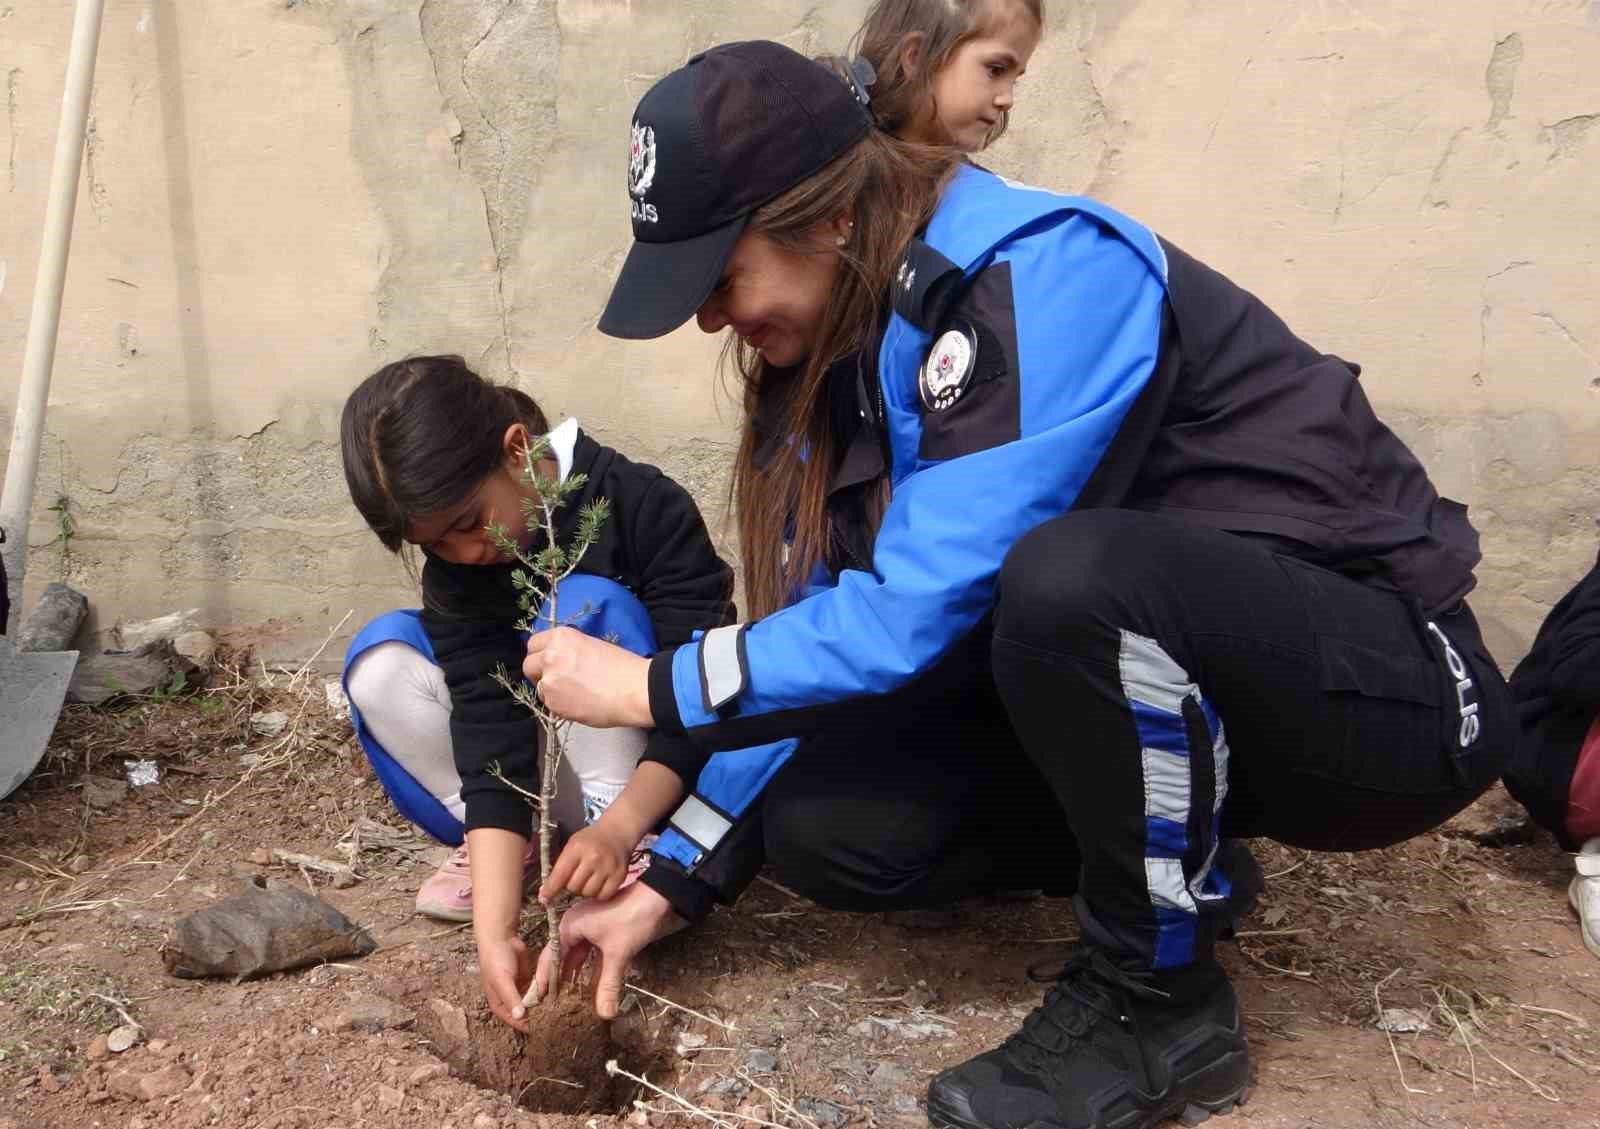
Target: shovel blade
x: 33, y: 684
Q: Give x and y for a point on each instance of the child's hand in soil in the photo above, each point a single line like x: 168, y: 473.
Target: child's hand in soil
x: 592, y: 865
x: 505, y: 969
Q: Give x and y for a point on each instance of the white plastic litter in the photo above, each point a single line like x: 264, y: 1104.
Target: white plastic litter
x: 337, y: 702
x: 142, y: 772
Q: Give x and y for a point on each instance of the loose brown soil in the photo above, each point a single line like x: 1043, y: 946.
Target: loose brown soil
x: 560, y: 1067
x: 839, y: 1019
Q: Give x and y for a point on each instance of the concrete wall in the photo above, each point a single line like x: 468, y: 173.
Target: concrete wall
x: 280, y: 195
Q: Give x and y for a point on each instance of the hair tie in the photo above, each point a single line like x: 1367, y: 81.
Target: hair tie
x: 861, y: 75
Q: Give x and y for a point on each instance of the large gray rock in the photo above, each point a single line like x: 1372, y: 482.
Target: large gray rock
x: 132, y: 636
x: 54, y: 621
x: 115, y: 673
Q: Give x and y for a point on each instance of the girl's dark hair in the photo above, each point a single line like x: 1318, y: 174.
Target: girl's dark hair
x: 420, y: 435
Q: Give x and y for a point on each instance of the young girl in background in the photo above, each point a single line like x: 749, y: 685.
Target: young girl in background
x: 433, y: 455
x: 947, y: 70
x: 1556, y: 773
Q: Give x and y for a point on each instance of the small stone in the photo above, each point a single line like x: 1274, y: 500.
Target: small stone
x: 639, y: 1118
x: 904, y: 1103
x: 208, y: 839
x: 823, y: 1113
x: 165, y: 1082
x: 261, y: 856
x: 79, y: 864
x: 484, y: 1121
x: 54, y: 621
x: 122, y: 1038
x: 100, y: 793
x: 761, y: 1062
x: 45, y: 937
x: 206, y: 1080
x: 344, y: 879
x: 196, y: 646
x: 426, y: 1073
x: 724, y: 1087
x: 891, y: 1075
x: 364, y: 1011
x: 97, y: 1050
x: 453, y: 1022
x: 269, y: 724
x: 48, y: 1082
x: 390, y: 1098
x: 690, y: 1043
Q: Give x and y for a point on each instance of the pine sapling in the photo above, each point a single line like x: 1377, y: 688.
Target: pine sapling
x: 538, y: 585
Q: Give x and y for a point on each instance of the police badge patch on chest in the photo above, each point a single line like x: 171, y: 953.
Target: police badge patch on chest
x: 947, y: 373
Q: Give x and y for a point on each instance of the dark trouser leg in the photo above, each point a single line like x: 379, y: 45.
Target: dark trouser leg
x: 1173, y: 682
x: 916, y: 804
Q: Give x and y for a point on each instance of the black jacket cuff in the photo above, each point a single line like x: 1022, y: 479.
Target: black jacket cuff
x: 663, y: 698
x: 690, y: 899
x: 677, y: 752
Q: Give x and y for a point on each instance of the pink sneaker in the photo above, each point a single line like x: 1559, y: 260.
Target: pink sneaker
x: 638, y: 861
x: 447, y: 894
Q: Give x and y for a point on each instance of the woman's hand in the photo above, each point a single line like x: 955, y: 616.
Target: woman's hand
x: 588, y: 680
x: 618, y: 929
x: 504, y: 967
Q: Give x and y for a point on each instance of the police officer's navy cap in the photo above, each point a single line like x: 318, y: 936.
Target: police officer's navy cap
x: 716, y: 139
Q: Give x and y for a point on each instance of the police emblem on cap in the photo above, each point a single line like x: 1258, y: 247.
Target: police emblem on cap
x: 948, y: 370
x: 642, y: 171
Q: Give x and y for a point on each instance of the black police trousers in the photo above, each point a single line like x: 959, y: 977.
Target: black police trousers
x: 1170, y: 684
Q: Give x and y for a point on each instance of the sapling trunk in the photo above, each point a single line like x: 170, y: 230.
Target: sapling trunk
x: 538, y: 584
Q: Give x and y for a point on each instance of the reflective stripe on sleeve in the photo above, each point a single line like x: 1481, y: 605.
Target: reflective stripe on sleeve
x: 700, y: 822
x: 722, y: 665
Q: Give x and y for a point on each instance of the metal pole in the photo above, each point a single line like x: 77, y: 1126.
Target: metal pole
x: 16, y: 500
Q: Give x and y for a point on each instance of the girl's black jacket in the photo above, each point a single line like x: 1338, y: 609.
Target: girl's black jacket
x: 1558, y: 695
x: 655, y: 544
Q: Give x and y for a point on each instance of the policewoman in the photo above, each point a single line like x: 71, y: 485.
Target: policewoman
x: 1002, y: 442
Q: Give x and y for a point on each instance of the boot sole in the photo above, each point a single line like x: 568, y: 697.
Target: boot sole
x: 1190, y: 1110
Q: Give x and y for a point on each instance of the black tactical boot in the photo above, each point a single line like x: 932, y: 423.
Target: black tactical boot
x: 1110, y: 1048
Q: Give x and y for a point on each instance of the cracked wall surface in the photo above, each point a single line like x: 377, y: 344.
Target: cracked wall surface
x: 280, y: 196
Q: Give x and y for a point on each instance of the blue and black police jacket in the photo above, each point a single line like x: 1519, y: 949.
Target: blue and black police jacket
x: 1045, y: 353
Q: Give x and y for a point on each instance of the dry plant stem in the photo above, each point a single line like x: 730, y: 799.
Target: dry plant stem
x: 1466, y: 1040
x: 693, y: 1110
x: 680, y: 1007
x: 1377, y: 1000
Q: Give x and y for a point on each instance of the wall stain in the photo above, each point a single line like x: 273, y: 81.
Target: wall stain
x: 1501, y: 78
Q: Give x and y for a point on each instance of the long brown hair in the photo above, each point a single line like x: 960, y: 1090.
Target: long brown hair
x: 891, y: 188
x: 931, y: 31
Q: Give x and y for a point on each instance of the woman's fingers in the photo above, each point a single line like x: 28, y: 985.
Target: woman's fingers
x: 541, y: 975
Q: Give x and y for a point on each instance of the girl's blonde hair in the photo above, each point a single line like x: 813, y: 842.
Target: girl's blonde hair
x: 930, y: 31
x: 787, y: 450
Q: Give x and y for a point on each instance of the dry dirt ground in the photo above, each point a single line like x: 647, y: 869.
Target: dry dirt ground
x: 807, y: 1019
